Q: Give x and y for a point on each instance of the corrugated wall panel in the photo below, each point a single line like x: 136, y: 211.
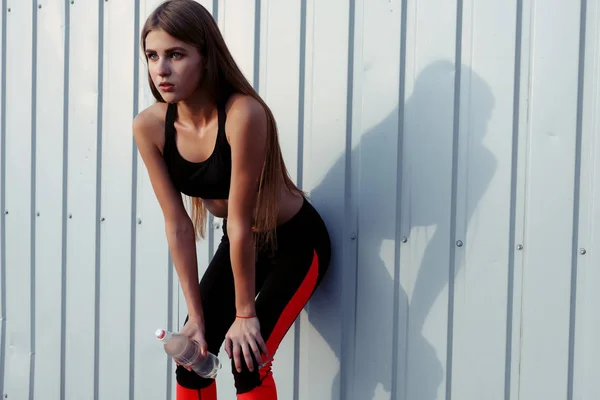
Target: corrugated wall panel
x: 49, y: 198
x: 375, y: 136
x: 20, y: 266
x: 451, y: 147
x: 483, y: 199
x: 116, y: 197
x: 550, y: 171
x: 428, y: 165
x: 3, y: 15
x: 83, y: 199
x: 518, y: 196
x: 586, y: 352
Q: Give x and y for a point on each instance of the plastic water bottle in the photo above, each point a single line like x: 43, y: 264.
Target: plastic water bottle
x: 187, y: 352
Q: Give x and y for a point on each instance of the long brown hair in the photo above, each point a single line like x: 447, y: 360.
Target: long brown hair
x: 190, y: 22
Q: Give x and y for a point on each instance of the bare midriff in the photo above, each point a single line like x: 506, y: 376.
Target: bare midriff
x: 289, y: 205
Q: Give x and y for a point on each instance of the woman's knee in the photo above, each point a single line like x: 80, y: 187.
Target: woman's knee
x: 246, y: 380
x: 191, y: 380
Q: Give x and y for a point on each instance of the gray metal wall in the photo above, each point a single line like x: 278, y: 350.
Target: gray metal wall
x: 452, y: 147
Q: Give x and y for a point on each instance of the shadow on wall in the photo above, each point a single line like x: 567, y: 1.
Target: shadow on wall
x: 427, y: 154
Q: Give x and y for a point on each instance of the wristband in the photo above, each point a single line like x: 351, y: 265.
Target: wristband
x: 244, y: 317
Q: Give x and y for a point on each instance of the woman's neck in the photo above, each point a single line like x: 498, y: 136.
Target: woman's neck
x: 197, y: 111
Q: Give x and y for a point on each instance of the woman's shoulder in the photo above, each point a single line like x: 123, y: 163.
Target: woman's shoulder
x: 149, y: 124
x: 244, y: 112
x: 243, y: 105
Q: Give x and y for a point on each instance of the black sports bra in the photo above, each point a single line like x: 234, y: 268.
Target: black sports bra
x: 209, y: 179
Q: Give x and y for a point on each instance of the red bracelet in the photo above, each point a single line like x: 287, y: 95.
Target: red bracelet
x: 240, y: 316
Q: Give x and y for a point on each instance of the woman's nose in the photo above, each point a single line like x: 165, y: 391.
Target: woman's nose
x: 163, y: 68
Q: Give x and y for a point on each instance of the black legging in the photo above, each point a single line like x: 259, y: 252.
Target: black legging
x: 285, y: 280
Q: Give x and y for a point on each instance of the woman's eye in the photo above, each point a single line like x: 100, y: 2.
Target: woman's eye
x: 176, y: 55
x: 153, y: 57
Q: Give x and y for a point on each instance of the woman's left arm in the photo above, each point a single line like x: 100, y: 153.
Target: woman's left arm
x: 247, y: 132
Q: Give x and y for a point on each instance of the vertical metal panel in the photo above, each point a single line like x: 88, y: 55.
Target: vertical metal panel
x: 577, y: 191
x: 3, y: 13
x: 550, y: 175
x: 99, y: 173
x: 512, y: 301
x: 65, y: 187
x: 376, y: 136
x: 116, y: 189
x: 587, y: 324
x: 399, y: 375
x: 427, y: 192
x: 483, y: 200
x: 519, y: 195
x: 134, y: 220
x: 82, y: 200
x: 48, y: 213
x: 19, y: 141
x: 33, y: 199
x: 65, y: 192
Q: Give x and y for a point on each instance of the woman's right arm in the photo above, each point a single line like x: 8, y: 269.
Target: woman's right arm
x: 147, y: 131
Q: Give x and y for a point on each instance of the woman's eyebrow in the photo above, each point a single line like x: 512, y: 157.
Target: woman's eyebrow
x: 169, y: 50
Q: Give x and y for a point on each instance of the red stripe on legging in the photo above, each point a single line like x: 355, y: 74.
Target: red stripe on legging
x: 293, y: 308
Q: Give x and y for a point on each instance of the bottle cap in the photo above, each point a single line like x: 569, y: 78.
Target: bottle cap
x: 160, y: 334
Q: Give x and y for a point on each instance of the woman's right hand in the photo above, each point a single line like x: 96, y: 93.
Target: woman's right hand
x: 194, y: 329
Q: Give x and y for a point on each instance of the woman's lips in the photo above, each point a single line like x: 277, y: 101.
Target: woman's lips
x: 166, y: 87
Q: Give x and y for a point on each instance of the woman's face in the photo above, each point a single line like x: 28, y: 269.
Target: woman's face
x: 174, y: 66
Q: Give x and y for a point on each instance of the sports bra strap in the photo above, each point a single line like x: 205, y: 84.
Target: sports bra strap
x: 222, y: 118
x: 170, y: 119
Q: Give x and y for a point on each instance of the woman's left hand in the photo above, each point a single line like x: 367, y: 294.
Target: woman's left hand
x: 244, y: 339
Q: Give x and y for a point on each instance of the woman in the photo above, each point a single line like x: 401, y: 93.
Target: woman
x: 211, y: 137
